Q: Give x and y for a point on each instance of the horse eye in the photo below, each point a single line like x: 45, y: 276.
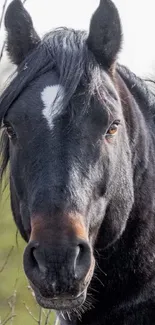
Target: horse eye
x: 113, y: 128
x: 10, y: 131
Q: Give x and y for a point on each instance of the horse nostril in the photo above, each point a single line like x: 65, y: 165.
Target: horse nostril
x: 40, y: 260
x: 82, y: 260
x: 35, y: 257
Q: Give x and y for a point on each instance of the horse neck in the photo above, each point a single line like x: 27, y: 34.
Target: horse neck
x: 137, y: 108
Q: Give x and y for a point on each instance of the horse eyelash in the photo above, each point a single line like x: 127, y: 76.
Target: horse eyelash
x: 118, y: 122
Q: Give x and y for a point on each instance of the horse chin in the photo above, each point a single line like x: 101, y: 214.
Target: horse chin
x: 61, y: 304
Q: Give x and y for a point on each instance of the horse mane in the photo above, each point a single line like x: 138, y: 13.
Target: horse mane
x: 141, y: 91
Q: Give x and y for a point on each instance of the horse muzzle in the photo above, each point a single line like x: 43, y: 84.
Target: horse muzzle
x: 59, y: 267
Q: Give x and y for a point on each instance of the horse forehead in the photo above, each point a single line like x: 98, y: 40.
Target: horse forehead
x: 52, y: 97
x: 48, y: 96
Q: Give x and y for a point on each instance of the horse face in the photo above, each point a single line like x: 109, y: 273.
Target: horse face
x: 70, y: 175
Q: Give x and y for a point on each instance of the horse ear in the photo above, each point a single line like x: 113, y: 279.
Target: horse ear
x: 105, y: 34
x: 21, y: 35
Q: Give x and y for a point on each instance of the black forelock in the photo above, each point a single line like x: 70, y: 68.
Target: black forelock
x: 66, y: 51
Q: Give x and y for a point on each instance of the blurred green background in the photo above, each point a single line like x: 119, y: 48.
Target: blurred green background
x: 15, y: 295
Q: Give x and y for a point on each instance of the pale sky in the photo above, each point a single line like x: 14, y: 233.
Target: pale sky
x: 137, y: 19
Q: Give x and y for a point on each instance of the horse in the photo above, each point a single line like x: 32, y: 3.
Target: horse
x: 78, y: 135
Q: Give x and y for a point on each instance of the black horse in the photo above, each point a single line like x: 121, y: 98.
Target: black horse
x: 79, y: 137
